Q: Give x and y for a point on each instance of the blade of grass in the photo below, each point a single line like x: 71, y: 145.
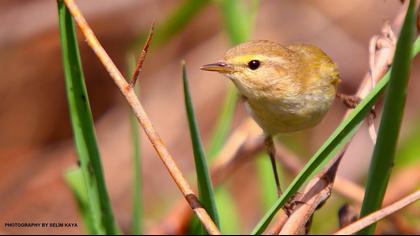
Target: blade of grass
x: 226, y: 209
x: 266, y: 181
x: 137, y: 213
x: 236, y: 19
x: 386, y: 144
x: 74, y: 179
x: 205, y: 188
x: 142, y: 117
x: 83, y: 129
x: 335, y: 142
x: 218, y: 139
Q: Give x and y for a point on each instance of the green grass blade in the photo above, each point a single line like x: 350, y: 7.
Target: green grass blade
x: 137, y: 208
x: 386, y: 144
x: 205, y: 188
x: 83, y: 129
x: 74, y: 179
x: 228, y: 214
x: 338, y: 138
x: 266, y: 181
x: 237, y: 20
x: 137, y: 214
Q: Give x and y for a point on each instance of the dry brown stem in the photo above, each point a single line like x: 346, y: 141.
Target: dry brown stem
x: 243, y: 144
x: 379, y: 215
x: 292, y: 163
x: 315, y: 194
x: 143, y: 119
x: 142, y: 56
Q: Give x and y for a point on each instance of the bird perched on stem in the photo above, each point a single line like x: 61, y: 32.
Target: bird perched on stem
x: 286, y: 88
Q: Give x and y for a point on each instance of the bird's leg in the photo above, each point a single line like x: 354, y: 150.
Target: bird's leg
x: 272, y: 153
x: 351, y: 101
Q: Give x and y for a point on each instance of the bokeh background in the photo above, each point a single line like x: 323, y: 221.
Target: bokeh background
x: 36, y: 146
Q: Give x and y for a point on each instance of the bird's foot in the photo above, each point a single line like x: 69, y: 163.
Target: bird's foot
x: 351, y: 101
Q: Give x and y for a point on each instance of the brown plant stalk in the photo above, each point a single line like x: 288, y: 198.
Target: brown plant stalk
x: 293, y: 164
x: 379, y: 215
x: 342, y: 186
x: 143, y: 119
x: 316, y: 193
x: 243, y: 144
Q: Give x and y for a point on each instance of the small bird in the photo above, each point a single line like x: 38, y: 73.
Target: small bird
x: 286, y: 88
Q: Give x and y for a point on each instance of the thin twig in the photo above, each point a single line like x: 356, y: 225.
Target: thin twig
x: 292, y: 163
x: 142, y: 57
x: 372, y: 62
x: 225, y: 164
x: 342, y: 186
x: 143, y: 119
x: 315, y: 194
x: 278, y: 224
x: 379, y: 215
x: 243, y: 144
x: 377, y: 44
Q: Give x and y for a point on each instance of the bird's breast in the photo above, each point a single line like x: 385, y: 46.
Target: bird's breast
x: 291, y: 114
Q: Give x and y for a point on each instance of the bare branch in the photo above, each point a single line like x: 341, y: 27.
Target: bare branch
x: 379, y: 215
x: 143, y: 119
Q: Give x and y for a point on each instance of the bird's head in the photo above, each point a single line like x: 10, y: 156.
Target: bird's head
x: 259, y: 68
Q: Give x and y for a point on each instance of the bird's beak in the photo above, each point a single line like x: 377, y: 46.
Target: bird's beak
x: 221, y: 67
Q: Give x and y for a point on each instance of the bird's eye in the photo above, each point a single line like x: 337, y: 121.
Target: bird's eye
x: 254, y: 64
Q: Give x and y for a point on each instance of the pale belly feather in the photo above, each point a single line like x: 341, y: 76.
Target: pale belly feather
x: 294, y: 114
